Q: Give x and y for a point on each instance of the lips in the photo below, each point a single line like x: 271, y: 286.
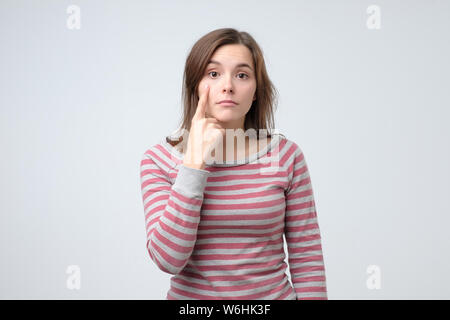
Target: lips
x: 227, y: 102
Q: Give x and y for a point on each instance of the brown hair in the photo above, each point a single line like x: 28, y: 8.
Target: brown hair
x: 261, y: 113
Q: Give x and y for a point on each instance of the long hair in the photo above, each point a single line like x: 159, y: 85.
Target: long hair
x: 261, y: 113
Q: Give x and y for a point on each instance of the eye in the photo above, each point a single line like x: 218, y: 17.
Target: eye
x: 245, y: 75
x: 212, y: 72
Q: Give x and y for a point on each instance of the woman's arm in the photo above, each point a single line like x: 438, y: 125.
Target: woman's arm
x: 302, y: 233
x: 172, y: 212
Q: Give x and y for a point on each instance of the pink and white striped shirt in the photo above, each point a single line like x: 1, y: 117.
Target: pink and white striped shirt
x: 219, y: 230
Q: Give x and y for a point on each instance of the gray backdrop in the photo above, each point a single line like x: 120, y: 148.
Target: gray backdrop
x: 368, y: 106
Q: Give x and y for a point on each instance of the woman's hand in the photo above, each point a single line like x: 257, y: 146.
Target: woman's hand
x: 204, y: 135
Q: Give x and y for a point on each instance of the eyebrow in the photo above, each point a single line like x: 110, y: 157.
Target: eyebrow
x: 237, y: 66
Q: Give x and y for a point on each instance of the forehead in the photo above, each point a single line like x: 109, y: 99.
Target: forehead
x: 232, y: 55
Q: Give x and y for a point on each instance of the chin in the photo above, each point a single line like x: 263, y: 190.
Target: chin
x: 224, y: 118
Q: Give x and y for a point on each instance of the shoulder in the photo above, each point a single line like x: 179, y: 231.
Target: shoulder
x: 159, y: 149
x: 161, y: 156
x: 153, y: 154
x: 153, y: 151
x: 289, y: 148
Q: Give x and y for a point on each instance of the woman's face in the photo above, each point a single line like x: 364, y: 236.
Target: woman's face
x: 230, y: 79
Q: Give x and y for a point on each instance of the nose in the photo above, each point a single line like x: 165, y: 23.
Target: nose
x: 227, y: 85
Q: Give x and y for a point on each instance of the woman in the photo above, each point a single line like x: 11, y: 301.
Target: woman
x: 215, y: 220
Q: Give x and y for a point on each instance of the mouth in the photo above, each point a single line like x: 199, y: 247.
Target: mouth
x: 227, y: 103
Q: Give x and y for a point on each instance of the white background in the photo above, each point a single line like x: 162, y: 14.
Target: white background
x: 368, y: 107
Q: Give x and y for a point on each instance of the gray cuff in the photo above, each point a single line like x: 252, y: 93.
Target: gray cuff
x: 190, y: 181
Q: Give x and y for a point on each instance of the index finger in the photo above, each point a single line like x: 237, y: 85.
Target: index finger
x: 202, y: 103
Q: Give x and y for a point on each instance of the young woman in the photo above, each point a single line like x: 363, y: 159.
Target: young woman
x: 216, y: 220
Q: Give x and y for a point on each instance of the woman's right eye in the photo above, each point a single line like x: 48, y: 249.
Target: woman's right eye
x: 212, y: 72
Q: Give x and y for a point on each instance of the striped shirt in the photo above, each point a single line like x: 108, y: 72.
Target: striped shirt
x: 219, y: 230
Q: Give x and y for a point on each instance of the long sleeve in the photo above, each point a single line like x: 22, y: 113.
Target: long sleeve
x: 306, y: 263
x: 172, y: 212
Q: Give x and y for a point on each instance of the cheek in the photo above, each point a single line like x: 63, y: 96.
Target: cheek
x: 251, y: 93
x: 250, y: 89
